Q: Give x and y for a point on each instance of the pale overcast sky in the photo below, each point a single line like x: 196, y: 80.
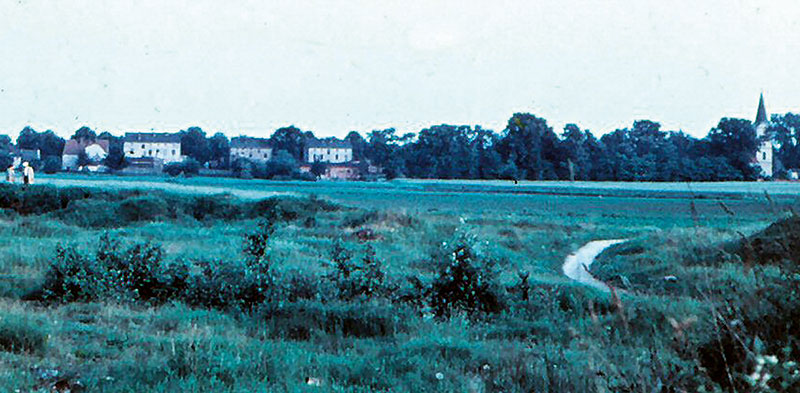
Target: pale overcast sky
x: 334, y: 66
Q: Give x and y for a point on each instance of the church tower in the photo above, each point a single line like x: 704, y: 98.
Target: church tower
x: 764, y: 141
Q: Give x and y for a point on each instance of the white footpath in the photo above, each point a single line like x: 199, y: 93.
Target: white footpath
x: 576, y: 265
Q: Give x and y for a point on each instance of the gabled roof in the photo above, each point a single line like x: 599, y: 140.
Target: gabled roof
x: 246, y: 142
x: 152, y: 137
x: 329, y: 143
x: 761, y: 116
x: 75, y: 147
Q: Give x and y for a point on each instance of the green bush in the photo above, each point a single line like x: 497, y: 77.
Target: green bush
x: 225, y: 286
x: 91, y: 213
x: 352, y: 279
x: 187, y: 167
x: 465, y: 281
x: 143, y: 208
x: 51, y: 164
x: 222, y: 207
x: 19, y: 333
x: 74, y: 276
x: 136, y: 273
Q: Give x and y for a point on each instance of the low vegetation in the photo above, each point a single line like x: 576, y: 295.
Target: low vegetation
x: 157, y: 291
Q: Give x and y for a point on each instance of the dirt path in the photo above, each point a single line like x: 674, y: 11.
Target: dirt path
x: 577, y: 263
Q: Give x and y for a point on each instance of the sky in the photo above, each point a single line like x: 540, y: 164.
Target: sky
x: 249, y: 67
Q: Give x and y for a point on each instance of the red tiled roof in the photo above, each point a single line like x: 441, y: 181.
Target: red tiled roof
x: 75, y: 147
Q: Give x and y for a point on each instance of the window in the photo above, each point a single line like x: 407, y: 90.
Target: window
x: 150, y: 152
x: 156, y: 151
x: 131, y: 152
x: 337, y: 157
x: 142, y: 146
x: 763, y: 155
x: 173, y: 152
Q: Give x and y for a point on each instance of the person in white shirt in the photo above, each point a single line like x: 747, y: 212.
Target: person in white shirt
x: 10, y: 174
x: 27, y: 173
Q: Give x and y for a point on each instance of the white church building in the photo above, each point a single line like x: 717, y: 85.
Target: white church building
x: 765, y: 141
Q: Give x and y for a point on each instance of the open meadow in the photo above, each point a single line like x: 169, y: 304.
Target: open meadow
x: 130, y: 284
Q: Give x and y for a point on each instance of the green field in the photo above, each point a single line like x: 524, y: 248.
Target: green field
x: 382, y: 325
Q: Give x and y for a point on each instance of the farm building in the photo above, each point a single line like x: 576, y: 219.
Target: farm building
x: 163, y: 146
x: 95, y: 150
x: 353, y: 170
x: 255, y: 149
x: 341, y: 171
x: 330, y: 151
x: 144, y: 165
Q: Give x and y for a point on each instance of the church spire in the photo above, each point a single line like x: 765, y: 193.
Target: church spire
x: 761, y: 116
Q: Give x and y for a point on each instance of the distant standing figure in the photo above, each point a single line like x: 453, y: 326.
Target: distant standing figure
x: 10, y: 174
x: 27, y: 173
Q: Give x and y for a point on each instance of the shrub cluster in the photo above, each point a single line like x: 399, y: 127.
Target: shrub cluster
x: 280, y: 167
x: 364, y: 278
x: 187, y: 167
x: 466, y: 281
x: 95, y: 208
x: 137, y: 272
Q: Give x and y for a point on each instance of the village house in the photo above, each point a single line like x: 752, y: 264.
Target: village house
x: 95, y: 150
x: 162, y: 146
x: 340, y: 171
x: 25, y: 155
x: 329, y: 151
x: 255, y: 149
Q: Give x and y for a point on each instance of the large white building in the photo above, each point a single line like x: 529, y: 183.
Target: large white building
x: 330, y: 151
x: 765, y: 141
x: 255, y: 149
x: 95, y: 150
x: 163, y: 146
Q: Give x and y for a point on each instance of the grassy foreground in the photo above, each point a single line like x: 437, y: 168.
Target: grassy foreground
x: 402, y: 286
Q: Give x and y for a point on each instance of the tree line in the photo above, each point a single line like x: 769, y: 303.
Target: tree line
x: 527, y: 149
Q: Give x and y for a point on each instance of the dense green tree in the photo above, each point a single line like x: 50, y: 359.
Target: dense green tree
x: 786, y: 129
x: 195, y: 145
x: 318, y: 168
x: 51, y: 144
x: 282, y: 165
x: 735, y: 140
x: 220, y: 149
x: 6, y: 143
x: 486, y: 161
x: 359, y: 145
x: 441, y: 152
x: 524, y: 142
x: 48, y: 142
x: 576, y: 150
x: 51, y: 164
x: 291, y: 140
x: 116, y: 155
x: 28, y: 138
x: 84, y: 133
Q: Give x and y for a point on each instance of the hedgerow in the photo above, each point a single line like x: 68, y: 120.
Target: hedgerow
x: 96, y: 208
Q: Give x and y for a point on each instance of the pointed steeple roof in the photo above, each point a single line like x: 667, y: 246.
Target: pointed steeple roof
x: 761, y: 116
